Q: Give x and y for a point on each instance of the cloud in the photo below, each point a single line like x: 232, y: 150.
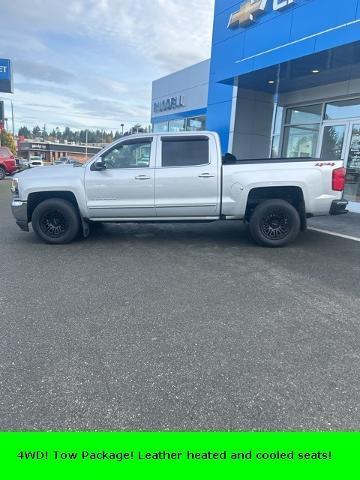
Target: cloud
x: 96, y: 59
x: 42, y: 71
x: 173, y: 33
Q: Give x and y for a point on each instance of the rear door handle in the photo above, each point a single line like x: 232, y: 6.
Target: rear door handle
x: 142, y: 177
x: 206, y: 175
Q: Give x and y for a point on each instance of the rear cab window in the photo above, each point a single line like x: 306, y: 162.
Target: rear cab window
x: 184, y: 151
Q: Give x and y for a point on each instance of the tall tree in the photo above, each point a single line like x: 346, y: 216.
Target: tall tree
x: 24, y: 132
x: 37, y: 131
x: 44, y: 133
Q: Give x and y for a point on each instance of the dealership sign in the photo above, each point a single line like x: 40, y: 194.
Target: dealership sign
x: 5, y: 76
x: 171, y: 103
x: 250, y: 9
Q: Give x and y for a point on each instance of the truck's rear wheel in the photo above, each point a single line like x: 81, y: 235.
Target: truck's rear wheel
x: 275, y: 223
x: 2, y: 173
x: 56, y: 221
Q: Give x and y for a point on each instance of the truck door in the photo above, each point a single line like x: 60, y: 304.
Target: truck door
x: 187, y: 181
x: 125, y: 188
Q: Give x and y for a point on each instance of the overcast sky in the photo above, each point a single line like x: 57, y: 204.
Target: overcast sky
x: 90, y: 63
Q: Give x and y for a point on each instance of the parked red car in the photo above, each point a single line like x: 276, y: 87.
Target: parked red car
x: 7, y: 162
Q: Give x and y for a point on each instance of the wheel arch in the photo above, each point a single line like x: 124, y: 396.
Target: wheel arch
x: 35, y: 198
x: 292, y: 194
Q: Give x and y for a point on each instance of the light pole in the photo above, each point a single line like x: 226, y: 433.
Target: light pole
x: 12, y: 118
x: 86, y: 143
x: 122, y: 129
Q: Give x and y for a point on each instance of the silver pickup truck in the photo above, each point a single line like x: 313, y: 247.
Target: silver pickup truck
x: 178, y: 177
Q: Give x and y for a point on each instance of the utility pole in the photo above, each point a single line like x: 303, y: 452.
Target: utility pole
x: 12, y: 119
x: 86, y: 143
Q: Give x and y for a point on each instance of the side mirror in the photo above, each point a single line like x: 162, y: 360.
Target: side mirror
x: 229, y: 158
x: 98, y: 165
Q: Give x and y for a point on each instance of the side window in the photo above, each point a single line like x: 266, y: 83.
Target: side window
x: 185, y: 151
x: 131, y: 154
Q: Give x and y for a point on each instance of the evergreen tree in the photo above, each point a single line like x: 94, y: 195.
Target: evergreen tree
x: 44, y: 133
x: 52, y: 135
x: 24, y: 132
x: 36, y: 131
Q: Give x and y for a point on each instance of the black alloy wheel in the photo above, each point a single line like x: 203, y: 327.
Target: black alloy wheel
x: 53, y: 224
x: 275, y: 223
x: 56, y: 221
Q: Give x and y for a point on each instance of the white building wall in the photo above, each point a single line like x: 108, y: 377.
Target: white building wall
x: 192, y: 84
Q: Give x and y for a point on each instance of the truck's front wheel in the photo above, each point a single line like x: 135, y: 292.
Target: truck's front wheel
x: 56, y: 221
x: 2, y: 173
x: 275, y: 223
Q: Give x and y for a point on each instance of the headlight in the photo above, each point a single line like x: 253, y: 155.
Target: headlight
x: 15, y: 186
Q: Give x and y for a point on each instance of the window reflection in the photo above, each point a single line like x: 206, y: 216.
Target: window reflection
x: 343, y: 109
x: 301, y: 141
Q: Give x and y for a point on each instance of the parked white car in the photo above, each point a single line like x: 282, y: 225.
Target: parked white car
x: 36, y: 162
x: 178, y: 177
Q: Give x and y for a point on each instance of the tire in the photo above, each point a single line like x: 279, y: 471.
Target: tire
x: 2, y: 173
x: 56, y: 221
x: 275, y: 223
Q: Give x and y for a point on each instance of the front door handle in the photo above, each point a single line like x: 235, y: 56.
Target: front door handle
x: 142, y: 177
x: 206, y: 175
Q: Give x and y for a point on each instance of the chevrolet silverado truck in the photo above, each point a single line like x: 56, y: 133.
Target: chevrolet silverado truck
x: 7, y: 162
x: 178, y: 178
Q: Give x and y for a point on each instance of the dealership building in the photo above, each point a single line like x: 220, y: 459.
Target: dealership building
x: 283, y: 81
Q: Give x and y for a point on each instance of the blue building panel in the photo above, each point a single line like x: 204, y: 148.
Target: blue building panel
x: 302, y: 29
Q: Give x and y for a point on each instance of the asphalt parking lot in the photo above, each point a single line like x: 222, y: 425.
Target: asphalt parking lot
x: 178, y: 327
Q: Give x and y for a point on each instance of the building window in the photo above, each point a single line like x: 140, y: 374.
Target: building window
x: 161, y: 127
x: 300, y: 141
x: 177, y: 125
x: 192, y: 124
x: 275, y: 147
x: 342, y: 109
x: 305, y: 114
x: 301, y: 131
x: 333, y: 142
x: 276, y: 134
x: 196, y: 124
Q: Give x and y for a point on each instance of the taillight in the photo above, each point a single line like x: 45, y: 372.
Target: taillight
x: 338, y: 179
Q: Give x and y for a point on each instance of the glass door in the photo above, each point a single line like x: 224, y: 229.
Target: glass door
x: 352, y: 188
x: 332, y: 145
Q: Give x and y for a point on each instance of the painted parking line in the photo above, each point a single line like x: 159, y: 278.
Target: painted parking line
x: 334, y: 234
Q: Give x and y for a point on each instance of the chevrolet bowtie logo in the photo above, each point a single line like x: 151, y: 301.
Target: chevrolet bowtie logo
x: 252, y: 8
